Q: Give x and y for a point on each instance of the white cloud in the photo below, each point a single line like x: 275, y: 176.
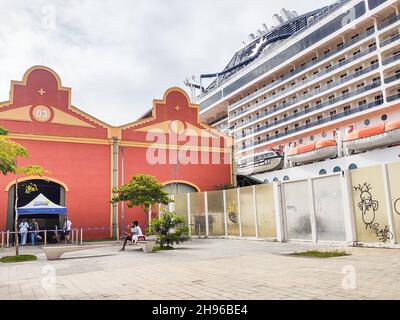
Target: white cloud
x: 118, y: 55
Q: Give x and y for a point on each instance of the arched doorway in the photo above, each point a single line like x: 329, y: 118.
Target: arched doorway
x: 51, y: 190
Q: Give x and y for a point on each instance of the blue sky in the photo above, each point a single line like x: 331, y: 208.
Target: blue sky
x: 118, y: 55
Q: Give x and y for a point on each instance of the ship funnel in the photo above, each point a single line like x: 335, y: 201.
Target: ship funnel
x: 251, y: 37
x: 278, y: 19
x: 295, y: 14
x: 259, y: 33
x: 286, y: 15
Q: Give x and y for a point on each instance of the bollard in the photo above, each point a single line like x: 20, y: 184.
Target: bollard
x: 199, y: 231
x: 2, y: 239
x: 72, y: 236
x: 8, y: 238
x: 81, y: 236
x: 45, y: 237
x: 117, y: 233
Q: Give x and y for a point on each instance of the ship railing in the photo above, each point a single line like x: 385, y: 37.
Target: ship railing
x: 315, y: 108
x: 393, y: 97
x: 310, y: 78
x: 317, y: 123
x: 280, y: 44
x: 392, y: 78
x: 308, y: 95
x: 391, y: 39
x: 349, y: 43
x: 388, y: 22
x: 391, y: 59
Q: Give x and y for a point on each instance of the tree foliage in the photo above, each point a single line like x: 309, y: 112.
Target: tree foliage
x: 143, y: 191
x: 170, y: 229
x: 10, y: 151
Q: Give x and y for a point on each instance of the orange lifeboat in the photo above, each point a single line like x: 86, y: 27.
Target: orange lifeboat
x: 380, y: 135
x: 316, y: 151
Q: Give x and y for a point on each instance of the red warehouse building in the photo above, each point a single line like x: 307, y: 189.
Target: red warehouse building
x: 87, y: 158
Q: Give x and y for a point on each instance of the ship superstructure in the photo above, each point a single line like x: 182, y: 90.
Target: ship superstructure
x: 317, y: 89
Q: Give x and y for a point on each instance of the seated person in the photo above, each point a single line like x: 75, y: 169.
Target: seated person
x: 134, y: 235
x: 136, y: 232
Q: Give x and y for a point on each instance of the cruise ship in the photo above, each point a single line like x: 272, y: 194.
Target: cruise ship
x: 315, y: 94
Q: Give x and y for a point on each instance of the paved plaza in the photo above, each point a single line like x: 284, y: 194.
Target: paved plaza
x: 204, y: 269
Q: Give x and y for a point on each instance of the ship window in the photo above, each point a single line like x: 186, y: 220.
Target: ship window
x: 301, y: 141
x: 312, y: 138
x: 286, y: 178
x: 384, y: 117
x: 322, y: 172
x: 337, y: 169
x: 324, y: 134
x: 353, y: 166
x: 367, y: 122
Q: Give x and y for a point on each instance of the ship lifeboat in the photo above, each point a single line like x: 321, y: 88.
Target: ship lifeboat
x: 316, y: 151
x: 261, y: 162
x: 380, y: 135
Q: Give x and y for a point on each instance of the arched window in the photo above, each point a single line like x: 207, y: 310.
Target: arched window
x: 322, y: 172
x: 286, y: 178
x: 337, y: 169
x: 179, y: 188
x: 276, y: 180
x: 266, y: 181
x: 353, y: 166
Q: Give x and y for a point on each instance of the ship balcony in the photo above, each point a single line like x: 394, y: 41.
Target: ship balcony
x: 390, y: 37
x: 312, y: 64
x: 391, y: 56
x: 330, y: 104
x: 311, y: 125
x: 388, y: 23
x: 302, y: 85
x: 393, y: 93
x: 307, y: 97
x: 392, y: 75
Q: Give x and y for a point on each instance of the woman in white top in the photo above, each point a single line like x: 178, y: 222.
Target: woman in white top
x: 23, y: 230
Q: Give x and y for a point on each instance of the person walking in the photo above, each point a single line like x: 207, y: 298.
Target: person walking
x: 67, y: 230
x: 34, y: 230
x: 23, y: 230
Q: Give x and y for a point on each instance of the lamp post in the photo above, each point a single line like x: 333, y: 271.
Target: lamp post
x: 122, y: 183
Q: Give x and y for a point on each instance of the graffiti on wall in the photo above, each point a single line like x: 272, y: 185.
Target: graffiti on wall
x: 369, y: 210
x: 397, y: 206
x: 232, y: 209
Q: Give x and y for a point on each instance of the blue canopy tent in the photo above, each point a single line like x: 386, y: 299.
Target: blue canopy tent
x: 41, y: 205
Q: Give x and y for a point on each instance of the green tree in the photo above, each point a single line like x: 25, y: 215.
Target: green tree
x: 142, y: 191
x: 170, y: 229
x: 10, y: 151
